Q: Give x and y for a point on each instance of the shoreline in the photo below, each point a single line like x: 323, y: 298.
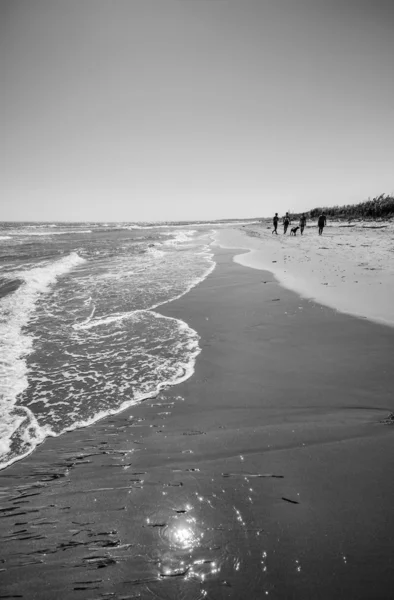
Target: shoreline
x: 353, y: 275
x: 27, y: 422
x: 266, y: 471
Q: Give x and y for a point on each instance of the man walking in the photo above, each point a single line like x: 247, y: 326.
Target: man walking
x: 286, y: 222
x: 275, y: 221
x: 302, y: 222
x: 321, y: 222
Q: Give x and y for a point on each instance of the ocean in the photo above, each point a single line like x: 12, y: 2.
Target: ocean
x: 80, y: 338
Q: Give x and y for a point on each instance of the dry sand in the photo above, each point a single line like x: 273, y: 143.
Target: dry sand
x: 267, y: 474
x: 349, y: 267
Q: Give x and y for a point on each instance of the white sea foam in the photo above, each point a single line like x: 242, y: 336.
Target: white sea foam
x: 19, y: 233
x: 112, y: 376
x: 15, y: 344
x: 105, y: 320
x: 155, y: 252
x: 104, y: 365
x: 181, y: 237
x: 91, y: 322
x: 40, y: 225
x: 5, y: 237
x: 183, y: 225
x: 196, y: 281
x: 184, y: 370
x: 21, y: 427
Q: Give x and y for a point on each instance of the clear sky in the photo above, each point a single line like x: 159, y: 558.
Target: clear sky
x: 193, y: 109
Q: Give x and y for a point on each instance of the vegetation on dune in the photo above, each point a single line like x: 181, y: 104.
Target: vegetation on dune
x: 380, y: 207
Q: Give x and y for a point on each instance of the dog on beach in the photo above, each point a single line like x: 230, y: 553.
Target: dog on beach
x: 294, y: 230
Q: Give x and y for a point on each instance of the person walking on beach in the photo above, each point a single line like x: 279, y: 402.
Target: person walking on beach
x: 275, y: 221
x: 321, y: 222
x: 286, y: 222
x: 302, y: 222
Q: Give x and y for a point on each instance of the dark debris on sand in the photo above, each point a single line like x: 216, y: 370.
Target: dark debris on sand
x: 388, y: 420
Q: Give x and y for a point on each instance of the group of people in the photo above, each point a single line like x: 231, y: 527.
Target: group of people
x: 321, y: 222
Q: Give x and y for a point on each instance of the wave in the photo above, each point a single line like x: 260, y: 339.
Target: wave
x: 41, y: 226
x: 91, y: 321
x: 166, y: 360
x: 173, y: 225
x: 181, y: 237
x: 211, y: 267
x: 185, y: 349
x: 15, y: 344
x: 44, y: 233
x: 122, y: 352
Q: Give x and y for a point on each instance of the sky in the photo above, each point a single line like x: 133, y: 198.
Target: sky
x: 152, y: 110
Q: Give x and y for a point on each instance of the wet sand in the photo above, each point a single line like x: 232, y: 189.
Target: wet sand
x: 349, y: 268
x: 267, y: 473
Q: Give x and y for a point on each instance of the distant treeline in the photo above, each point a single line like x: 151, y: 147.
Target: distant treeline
x: 381, y: 207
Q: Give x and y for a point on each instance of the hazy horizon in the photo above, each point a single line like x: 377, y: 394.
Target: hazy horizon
x: 171, y: 110
x: 131, y: 221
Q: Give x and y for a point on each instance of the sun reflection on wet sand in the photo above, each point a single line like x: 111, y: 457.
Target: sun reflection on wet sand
x: 184, y: 535
x: 183, y: 555
x: 200, y: 538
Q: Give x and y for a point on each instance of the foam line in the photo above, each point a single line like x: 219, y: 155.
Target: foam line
x: 15, y: 344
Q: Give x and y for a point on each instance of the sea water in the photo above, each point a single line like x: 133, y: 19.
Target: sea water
x: 79, y: 334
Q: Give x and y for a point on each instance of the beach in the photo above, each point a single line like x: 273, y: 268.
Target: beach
x: 265, y: 473
x: 350, y: 267
x: 192, y: 405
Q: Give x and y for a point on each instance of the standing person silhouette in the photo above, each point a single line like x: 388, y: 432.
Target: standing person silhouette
x: 286, y: 222
x: 275, y: 221
x: 302, y: 222
x: 321, y: 222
